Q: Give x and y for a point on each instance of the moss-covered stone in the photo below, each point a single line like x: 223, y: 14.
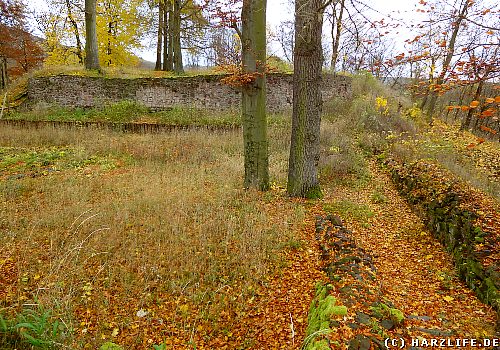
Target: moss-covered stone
x: 319, y: 320
x: 319, y: 345
x: 448, y: 208
x: 383, y: 311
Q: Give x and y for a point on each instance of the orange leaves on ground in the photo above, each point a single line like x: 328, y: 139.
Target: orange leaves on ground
x: 495, y: 99
x: 413, y: 271
x: 487, y: 129
x: 474, y: 104
x: 488, y: 112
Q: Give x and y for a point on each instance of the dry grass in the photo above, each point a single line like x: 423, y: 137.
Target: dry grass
x: 97, y: 245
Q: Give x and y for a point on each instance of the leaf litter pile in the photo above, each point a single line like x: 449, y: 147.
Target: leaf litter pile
x: 153, y: 249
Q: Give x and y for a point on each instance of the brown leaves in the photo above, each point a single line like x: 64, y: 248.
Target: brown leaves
x: 413, y: 269
x: 237, y: 77
x: 474, y: 104
x: 8, y: 277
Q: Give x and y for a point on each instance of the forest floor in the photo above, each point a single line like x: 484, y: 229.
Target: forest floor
x: 413, y: 273
x: 146, y: 246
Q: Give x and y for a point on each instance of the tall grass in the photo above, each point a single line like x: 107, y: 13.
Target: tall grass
x: 359, y: 128
x: 173, y: 224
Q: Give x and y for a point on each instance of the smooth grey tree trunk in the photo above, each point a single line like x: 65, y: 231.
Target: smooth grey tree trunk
x: 176, y: 38
x: 91, y: 51
x: 466, y: 123
x: 253, y: 97
x: 307, y: 102
x: 159, y: 41
x: 336, y: 32
x: 168, y: 51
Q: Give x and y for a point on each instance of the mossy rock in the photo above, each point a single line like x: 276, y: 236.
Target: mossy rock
x: 319, y: 319
x: 383, y: 311
x: 320, y: 314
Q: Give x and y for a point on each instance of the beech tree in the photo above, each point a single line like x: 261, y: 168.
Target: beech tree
x: 73, y: 20
x: 91, y: 49
x: 449, y: 45
x: 455, y: 55
x: 63, y: 26
x: 120, y: 26
x: 161, y: 29
x: 307, y: 101
x: 253, y: 38
x: 336, y: 22
x: 179, y: 24
x: 19, y: 50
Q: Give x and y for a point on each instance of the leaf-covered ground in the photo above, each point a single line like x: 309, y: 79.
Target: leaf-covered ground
x: 134, y: 239
x: 471, y: 158
x: 413, y: 271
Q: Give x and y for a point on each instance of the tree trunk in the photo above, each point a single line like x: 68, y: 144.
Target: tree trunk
x: 3, y: 73
x: 253, y: 97
x: 168, y: 52
x: 466, y: 122
x: 176, y: 38
x: 307, y: 103
x: 108, y: 50
x: 431, y: 80
x: 76, y: 32
x: 448, y: 57
x: 336, y: 31
x: 91, y: 51
x: 160, y: 36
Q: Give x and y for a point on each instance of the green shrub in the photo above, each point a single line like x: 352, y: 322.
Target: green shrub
x: 35, y: 327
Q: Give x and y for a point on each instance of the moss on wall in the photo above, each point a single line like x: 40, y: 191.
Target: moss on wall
x: 453, y: 212
x: 319, y: 321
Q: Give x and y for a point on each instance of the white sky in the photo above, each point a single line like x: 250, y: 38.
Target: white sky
x: 279, y: 10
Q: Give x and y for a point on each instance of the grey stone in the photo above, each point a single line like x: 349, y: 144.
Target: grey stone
x: 203, y: 91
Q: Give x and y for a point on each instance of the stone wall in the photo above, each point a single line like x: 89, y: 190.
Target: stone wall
x: 465, y: 221
x: 204, y: 91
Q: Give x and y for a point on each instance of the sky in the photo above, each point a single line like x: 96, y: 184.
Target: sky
x: 280, y: 10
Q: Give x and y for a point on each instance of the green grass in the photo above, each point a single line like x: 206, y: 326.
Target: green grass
x: 116, y: 72
x: 34, y: 328
x: 52, y: 159
x: 129, y: 111
x: 346, y: 208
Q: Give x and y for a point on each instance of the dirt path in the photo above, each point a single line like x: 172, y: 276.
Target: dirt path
x: 413, y: 271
